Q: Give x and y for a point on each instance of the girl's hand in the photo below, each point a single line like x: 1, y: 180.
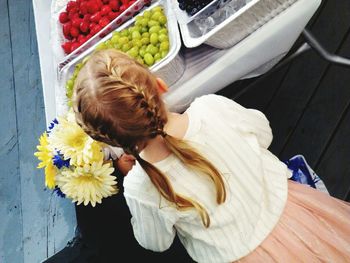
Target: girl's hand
x: 125, y: 163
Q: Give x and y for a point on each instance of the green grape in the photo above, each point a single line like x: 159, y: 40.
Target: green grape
x: 138, y: 23
x: 70, y: 83
x: 148, y: 58
x: 156, y: 15
x: 164, y: 53
x: 153, y: 23
x: 116, y: 33
x: 144, y: 29
x: 164, y: 46
x: 157, y: 8
x: 137, y: 43
x: 123, y: 40
x: 147, y: 14
x: 163, y: 37
x: 114, y: 39
x: 157, y: 56
x: 140, y: 60
x: 136, y: 35
x: 154, y: 29
x: 152, y: 49
x: 163, y: 31
x: 126, y: 47
x: 134, y: 51
x: 144, y: 22
x: 154, y: 38
x: 124, y: 33
x: 157, y: 60
x: 162, y: 19
x: 117, y: 46
x: 145, y: 40
x: 145, y: 34
x: 142, y: 52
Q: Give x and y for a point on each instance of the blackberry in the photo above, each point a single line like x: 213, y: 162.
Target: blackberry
x: 192, y: 6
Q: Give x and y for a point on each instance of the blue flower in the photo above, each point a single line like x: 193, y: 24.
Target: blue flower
x: 59, y: 161
x: 52, y: 125
x: 58, y: 191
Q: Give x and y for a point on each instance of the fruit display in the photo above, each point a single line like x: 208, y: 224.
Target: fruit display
x: 192, y: 6
x: 146, y: 40
x: 82, y: 19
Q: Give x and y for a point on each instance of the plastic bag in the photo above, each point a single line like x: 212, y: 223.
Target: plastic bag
x: 303, y: 173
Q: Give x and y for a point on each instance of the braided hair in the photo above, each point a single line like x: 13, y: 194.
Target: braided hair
x: 116, y: 101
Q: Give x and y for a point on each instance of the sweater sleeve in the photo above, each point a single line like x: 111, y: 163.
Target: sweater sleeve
x: 248, y: 121
x: 153, y: 226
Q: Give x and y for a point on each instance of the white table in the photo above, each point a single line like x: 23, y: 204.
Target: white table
x: 207, y: 71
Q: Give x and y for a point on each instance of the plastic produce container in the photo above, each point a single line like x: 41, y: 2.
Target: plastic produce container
x: 222, y: 33
x: 59, y: 38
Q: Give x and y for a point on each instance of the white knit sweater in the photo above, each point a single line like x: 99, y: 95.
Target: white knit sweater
x: 235, y: 140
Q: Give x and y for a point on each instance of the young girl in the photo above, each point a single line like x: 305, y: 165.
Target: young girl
x: 207, y: 174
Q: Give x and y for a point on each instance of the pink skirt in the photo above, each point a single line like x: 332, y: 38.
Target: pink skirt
x: 314, y: 227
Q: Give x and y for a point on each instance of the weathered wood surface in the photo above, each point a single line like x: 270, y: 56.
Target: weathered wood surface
x: 34, y: 224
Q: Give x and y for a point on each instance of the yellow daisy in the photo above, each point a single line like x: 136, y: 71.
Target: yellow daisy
x: 70, y: 139
x: 50, y: 173
x: 45, y: 153
x: 88, y: 183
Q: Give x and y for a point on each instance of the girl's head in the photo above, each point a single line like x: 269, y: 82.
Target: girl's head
x: 116, y: 100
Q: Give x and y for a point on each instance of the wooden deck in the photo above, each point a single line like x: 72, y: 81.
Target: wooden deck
x: 307, y: 102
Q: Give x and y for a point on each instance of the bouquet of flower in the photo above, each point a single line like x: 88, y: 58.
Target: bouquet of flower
x: 74, y: 163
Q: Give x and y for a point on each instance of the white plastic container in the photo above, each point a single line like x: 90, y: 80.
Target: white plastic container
x: 170, y: 68
x: 238, y: 26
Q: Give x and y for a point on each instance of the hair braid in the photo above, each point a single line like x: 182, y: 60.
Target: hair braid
x: 116, y: 101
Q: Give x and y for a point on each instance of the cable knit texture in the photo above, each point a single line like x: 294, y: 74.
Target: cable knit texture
x: 235, y: 140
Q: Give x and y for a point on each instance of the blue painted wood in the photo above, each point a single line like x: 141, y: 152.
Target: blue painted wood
x: 35, y: 223
x: 11, y: 248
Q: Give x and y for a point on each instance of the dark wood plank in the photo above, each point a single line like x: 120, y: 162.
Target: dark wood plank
x: 323, y: 113
x: 261, y: 92
x: 334, y: 166
x: 10, y: 187
x: 31, y: 123
x: 305, y: 75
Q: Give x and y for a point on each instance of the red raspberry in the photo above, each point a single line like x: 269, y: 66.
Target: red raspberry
x: 122, y: 8
x: 114, y: 5
x: 87, y: 17
x: 74, y: 46
x: 95, y: 29
x: 63, y: 17
x: 70, y: 5
x: 76, y: 22
x: 105, y: 10
x: 104, y: 21
x: 67, y: 47
x: 81, y: 39
x: 74, y: 32
x: 99, y: 3
x: 92, y: 7
x: 84, y: 26
x: 105, y: 2
x: 83, y: 8
x: 91, y: 26
x: 66, y: 28
x: 96, y: 17
x: 113, y: 15
x: 125, y: 2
